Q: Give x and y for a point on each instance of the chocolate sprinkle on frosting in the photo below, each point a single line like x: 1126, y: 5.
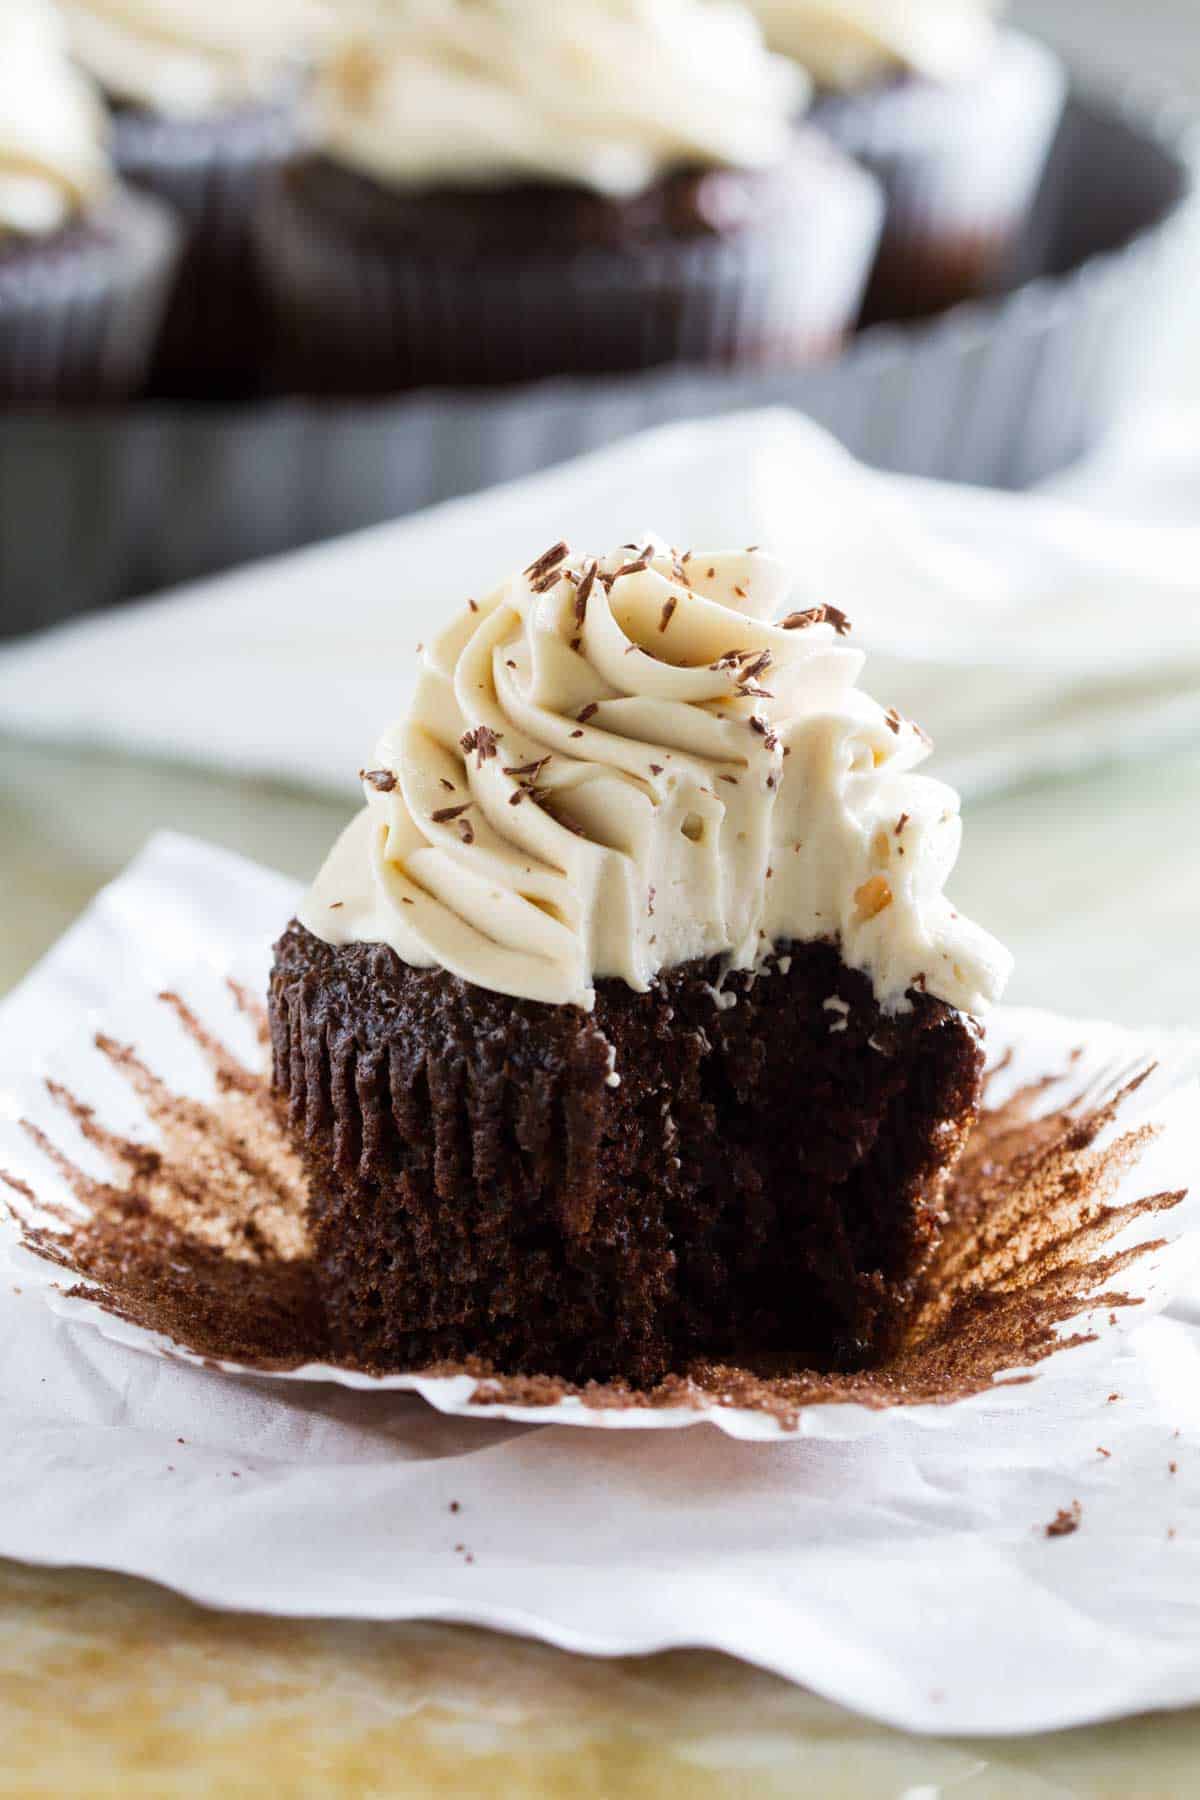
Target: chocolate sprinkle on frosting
x: 549, y: 559
x: 669, y: 606
x: 383, y: 779
x: 817, y: 615
x: 444, y: 814
x: 482, y: 740
x: 583, y: 593
x: 530, y: 768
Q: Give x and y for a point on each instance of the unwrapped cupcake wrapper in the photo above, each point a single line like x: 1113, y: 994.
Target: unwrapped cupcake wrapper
x: 354, y: 318
x: 211, y: 171
x: 960, y: 166
x: 78, y: 321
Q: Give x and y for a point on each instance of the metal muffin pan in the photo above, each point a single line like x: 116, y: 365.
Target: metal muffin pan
x: 102, y: 506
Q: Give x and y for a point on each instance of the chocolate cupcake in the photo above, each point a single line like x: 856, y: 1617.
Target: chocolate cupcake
x: 84, y: 265
x: 628, y: 1024
x: 497, y: 195
x: 205, y: 99
x: 954, y: 116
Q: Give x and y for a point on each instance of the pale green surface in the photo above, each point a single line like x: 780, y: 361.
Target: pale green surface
x: 109, y: 1687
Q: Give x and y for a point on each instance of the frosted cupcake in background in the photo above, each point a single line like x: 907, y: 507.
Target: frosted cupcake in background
x: 952, y: 113
x: 84, y: 265
x: 205, y: 98
x: 502, y: 190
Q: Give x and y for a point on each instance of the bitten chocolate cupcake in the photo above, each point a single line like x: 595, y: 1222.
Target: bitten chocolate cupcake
x: 628, y: 1022
x: 84, y: 265
x: 955, y: 117
x: 503, y: 192
x: 205, y: 97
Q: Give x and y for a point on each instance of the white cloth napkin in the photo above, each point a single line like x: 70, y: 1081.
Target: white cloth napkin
x: 904, y: 1570
x: 1027, y: 633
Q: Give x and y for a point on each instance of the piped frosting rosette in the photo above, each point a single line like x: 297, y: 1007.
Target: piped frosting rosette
x: 843, y: 44
x: 616, y: 765
x: 608, y: 94
x: 53, y: 128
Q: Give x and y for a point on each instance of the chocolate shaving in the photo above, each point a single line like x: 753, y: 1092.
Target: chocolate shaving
x: 482, y: 740
x: 549, y: 559
x: 667, y: 613
x: 583, y: 593
x: 759, y: 666
x: 656, y: 768
x: 589, y: 712
x: 383, y: 779
x: 445, y: 813
x: 550, y: 579
x: 530, y: 768
x: 629, y: 568
x: 817, y: 615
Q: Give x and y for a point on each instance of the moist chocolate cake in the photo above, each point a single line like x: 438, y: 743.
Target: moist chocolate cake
x: 756, y: 1183
x: 628, y: 1023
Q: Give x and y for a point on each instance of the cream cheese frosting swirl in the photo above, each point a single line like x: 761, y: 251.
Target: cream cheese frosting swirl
x: 844, y: 44
x: 606, y: 94
x: 614, y: 766
x: 53, y: 128
x: 187, y: 58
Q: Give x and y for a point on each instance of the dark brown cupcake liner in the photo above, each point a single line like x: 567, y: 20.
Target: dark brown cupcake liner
x: 358, y: 316
x: 211, y: 171
x: 80, y: 312
x: 960, y: 164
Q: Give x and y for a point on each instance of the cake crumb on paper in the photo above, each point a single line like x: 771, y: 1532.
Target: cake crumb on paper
x: 1065, y: 1521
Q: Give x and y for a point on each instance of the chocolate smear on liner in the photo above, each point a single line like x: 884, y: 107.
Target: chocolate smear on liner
x: 201, y: 1236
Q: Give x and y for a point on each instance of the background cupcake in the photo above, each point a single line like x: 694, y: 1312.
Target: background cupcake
x: 504, y: 191
x: 953, y: 115
x: 84, y: 266
x: 204, y: 94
